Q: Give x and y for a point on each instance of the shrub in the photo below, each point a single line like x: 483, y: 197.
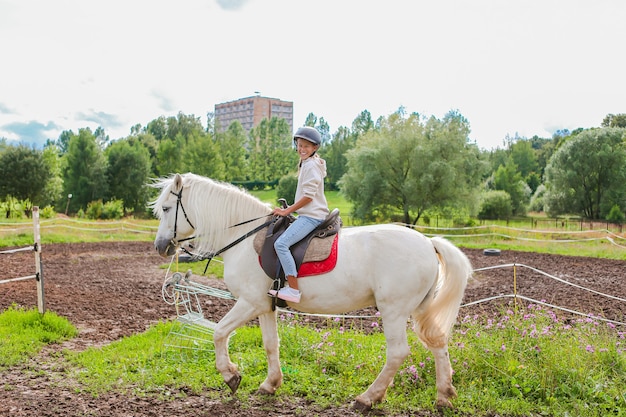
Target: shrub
x: 113, y: 209
x: 536, y: 201
x: 94, y: 210
x: 496, y: 204
x: 47, y: 212
x: 287, y: 188
x: 616, y: 215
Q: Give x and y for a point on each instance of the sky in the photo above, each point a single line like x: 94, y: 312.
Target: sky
x: 512, y: 68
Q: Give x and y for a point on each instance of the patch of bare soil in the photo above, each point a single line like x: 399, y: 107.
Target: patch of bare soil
x: 112, y: 290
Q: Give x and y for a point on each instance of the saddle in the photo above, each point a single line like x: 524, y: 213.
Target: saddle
x: 316, y: 246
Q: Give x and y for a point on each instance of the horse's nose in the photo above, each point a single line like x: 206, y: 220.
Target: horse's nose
x: 163, y: 246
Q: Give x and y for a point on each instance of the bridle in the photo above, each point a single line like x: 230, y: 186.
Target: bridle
x: 179, y: 204
x: 176, y: 243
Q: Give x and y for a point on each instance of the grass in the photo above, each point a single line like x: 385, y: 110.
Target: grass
x: 544, y: 243
x: 532, y: 361
x: 518, y: 362
x: 24, y: 332
x: 520, y: 235
x: 529, y: 362
x: 70, y: 230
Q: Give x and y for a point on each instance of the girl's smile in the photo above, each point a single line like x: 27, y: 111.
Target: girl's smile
x: 305, y: 149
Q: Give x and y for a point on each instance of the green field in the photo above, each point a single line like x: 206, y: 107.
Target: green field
x: 532, y: 234
x: 529, y: 362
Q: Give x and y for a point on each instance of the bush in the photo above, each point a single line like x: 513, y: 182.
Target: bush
x: 616, y: 215
x: 94, y: 210
x: 11, y: 208
x: 113, y: 209
x: 255, y: 185
x: 496, y: 204
x: 47, y: 212
x: 464, y: 222
x: 536, y: 201
x: 287, y: 188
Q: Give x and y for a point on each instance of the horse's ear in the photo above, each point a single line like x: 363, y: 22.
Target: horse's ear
x: 178, y: 183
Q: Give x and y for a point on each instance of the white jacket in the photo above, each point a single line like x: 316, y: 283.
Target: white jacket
x: 311, y: 184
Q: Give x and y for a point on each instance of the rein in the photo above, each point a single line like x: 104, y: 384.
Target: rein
x: 238, y: 240
x: 212, y: 255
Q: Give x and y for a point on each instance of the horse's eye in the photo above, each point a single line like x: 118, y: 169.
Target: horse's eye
x: 166, y: 209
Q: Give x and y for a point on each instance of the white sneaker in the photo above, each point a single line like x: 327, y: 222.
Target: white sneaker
x: 289, y: 294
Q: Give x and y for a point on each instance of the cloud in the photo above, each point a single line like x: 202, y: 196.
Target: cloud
x: 32, y: 132
x: 231, y: 4
x: 165, y: 103
x: 106, y: 120
x: 4, y: 109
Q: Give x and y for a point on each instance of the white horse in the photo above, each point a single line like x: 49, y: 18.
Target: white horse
x: 398, y: 270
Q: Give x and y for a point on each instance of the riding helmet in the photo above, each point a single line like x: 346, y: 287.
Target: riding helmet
x: 308, y: 133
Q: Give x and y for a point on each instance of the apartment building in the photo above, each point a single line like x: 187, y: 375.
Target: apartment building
x: 251, y: 110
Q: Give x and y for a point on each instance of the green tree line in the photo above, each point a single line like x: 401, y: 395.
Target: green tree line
x: 402, y: 167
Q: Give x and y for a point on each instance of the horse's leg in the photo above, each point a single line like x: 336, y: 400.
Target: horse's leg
x: 436, y: 341
x: 240, y: 314
x: 269, y: 332
x: 397, y: 351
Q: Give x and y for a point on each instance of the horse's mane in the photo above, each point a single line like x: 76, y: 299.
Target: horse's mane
x: 214, y: 206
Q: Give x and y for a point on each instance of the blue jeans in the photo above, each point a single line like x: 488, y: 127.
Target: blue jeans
x: 297, y: 231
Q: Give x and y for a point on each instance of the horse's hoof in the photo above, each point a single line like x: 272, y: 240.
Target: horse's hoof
x: 443, y: 403
x: 233, y: 383
x: 361, y: 405
x: 263, y: 391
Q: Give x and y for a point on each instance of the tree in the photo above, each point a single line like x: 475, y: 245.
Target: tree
x: 537, y: 200
x: 272, y: 155
x: 324, y: 129
x: 495, y: 204
x: 128, y: 171
x: 63, y: 142
x: 509, y: 179
x: 186, y: 125
x: 158, y: 128
x: 53, y: 191
x: 335, y: 153
x: 148, y: 141
x: 362, y: 123
x: 587, y: 174
x: 102, y: 139
x: 321, y: 125
x: 410, y: 166
x: 616, y: 215
x: 614, y: 120
x: 233, y: 152
x: 311, y: 120
x: 336, y: 150
x: 23, y: 174
x: 524, y: 157
x: 85, y: 170
x: 202, y: 156
x: 170, y: 156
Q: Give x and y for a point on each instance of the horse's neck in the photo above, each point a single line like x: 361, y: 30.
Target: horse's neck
x: 221, y: 223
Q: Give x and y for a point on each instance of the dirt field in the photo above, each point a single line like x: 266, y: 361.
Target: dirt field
x: 111, y: 290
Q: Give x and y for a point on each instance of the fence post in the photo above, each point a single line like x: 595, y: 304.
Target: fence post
x: 41, y: 301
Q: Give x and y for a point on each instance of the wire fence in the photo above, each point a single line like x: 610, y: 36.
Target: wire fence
x: 195, y: 332
x: 38, y: 275
x: 59, y: 224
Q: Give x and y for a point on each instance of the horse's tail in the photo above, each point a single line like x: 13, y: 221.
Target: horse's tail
x: 441, y: 312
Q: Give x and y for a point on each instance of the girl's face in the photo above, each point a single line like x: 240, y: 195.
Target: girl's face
x: 305, y: 148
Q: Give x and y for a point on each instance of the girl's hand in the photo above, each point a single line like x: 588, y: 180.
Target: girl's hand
x: 281, y: 212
